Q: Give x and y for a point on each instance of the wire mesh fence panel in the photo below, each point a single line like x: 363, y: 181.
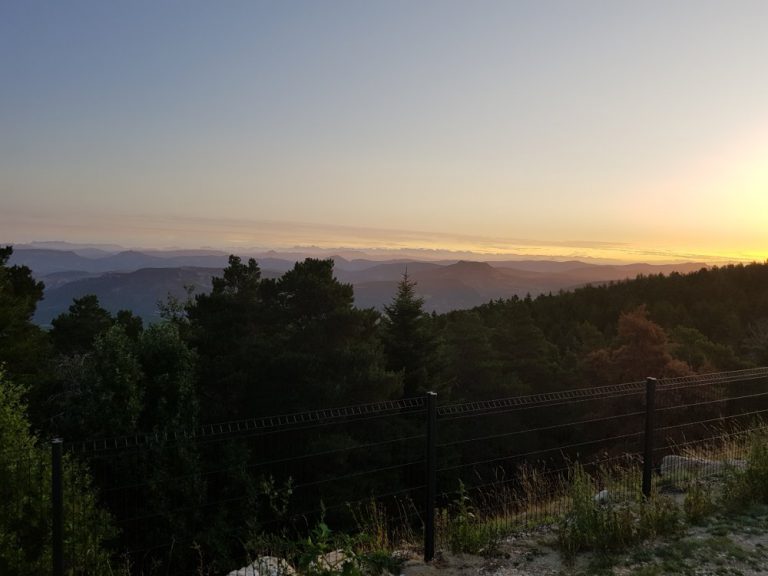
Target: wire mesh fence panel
x: 704, y: 424
x: 513, y: 459
x: 210, y: 499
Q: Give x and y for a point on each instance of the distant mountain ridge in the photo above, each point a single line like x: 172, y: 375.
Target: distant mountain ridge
x: 137, y: 280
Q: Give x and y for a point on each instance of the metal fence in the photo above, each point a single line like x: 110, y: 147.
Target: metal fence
x: 175, y: 496
x: 514, y: 458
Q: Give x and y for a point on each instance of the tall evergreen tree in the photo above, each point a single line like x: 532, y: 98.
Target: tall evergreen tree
x: 289, y: 343
x: 410, y: 341
x: 23, y: 345
x: 74, y: 331
x: 228, y: 329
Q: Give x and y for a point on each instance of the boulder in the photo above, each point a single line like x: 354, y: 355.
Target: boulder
x: 682, y: 466
x: 265, y: 566
x: 334, y: 560
x: 602, y: 497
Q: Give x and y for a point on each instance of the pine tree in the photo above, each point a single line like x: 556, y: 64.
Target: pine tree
x: 410, y: 341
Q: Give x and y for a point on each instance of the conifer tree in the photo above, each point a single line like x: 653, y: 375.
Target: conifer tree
x: 23, y: 345
x: 410, y: 341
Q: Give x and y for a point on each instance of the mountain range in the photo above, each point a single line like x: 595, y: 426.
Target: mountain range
x: 139, y: 279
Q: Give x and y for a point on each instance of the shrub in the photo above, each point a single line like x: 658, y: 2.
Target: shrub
x: 698, y: 503
x: 749, y: 486
x: 25, y: 501
x: 466, y: 531
x: 610, y: 525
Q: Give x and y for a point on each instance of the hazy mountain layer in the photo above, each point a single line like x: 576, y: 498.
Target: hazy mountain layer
x: 138, y: 280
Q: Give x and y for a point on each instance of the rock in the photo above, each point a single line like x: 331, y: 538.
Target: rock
x: 265, y: 566
x: 334, y: 560
x: 673, y: 465
x: 602, y: 497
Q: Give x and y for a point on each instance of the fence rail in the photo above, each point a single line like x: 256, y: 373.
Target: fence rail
x: 413, y: 457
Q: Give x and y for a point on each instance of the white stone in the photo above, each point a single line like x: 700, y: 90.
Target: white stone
x: 334, y: 560
x: 602, y: 497
x: 675, y: 465
x: 265, y: 566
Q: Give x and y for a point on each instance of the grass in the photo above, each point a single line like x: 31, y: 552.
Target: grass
x: 699, y: 502
x: 614, y: 524
x: 744, y: 488
x: 733, y: 501
x: 466, y: 530
x: 324, y: 552
x: 686, y: 556
x: 476, y: 521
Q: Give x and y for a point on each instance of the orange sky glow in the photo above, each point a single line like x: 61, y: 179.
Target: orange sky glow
x: 520, y: 129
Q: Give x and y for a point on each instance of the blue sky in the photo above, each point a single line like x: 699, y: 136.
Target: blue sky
x: 561, y: 128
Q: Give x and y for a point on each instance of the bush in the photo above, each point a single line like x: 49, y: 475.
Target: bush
x: 609, y: 525
x: 698, y: 503
x: 746, y: 487
x: 25, y: 501
x: 465, y: 530
x: 324, y: 552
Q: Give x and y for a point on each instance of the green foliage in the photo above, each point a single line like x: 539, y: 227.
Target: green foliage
x: 507, y: 352
x: 108, y: 395
x: 23, y: 346
x: 366, y: 551
x: 75, y: 331
x: 296, y: 342
x: 701, y: 354
x: 410, y: 341
x: 748, y: 487
x: 132, y: 324
x: 241, y: 280
x: 258, y: 346
x: 471, y: 359
x: 168, y: 379
x: 372, y: 522
x: 466, y: 531
x: 699, y: 502
x: 122, y: 384
x: 324, y: 552
x: 755, y: 343
x: 320, y: 543
x: 610, y: 526
x: 25, y: 504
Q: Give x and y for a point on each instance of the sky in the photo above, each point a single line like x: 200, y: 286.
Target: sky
x: 616, y: 129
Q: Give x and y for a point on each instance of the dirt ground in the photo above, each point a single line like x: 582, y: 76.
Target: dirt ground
x: 723, y: 546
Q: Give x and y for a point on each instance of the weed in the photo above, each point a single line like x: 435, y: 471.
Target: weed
x: 611, y: 526
x: 466, y: 531
x: 372, y: 520
x: 724, y: 546
x: 324, y: 552
x: 698, y: 503
x: 749, y: 486
x: 650, y: 570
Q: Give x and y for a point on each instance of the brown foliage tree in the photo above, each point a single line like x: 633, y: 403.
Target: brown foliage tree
x: 642, y: 349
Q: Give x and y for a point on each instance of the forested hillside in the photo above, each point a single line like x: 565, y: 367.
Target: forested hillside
x: 135, y: 280
x: 256, y: 345
x: 262, y: 346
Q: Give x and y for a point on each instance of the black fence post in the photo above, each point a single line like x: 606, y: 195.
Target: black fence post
x: 650, y: 427
x: 431, y: 479
x: 57, y: 504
